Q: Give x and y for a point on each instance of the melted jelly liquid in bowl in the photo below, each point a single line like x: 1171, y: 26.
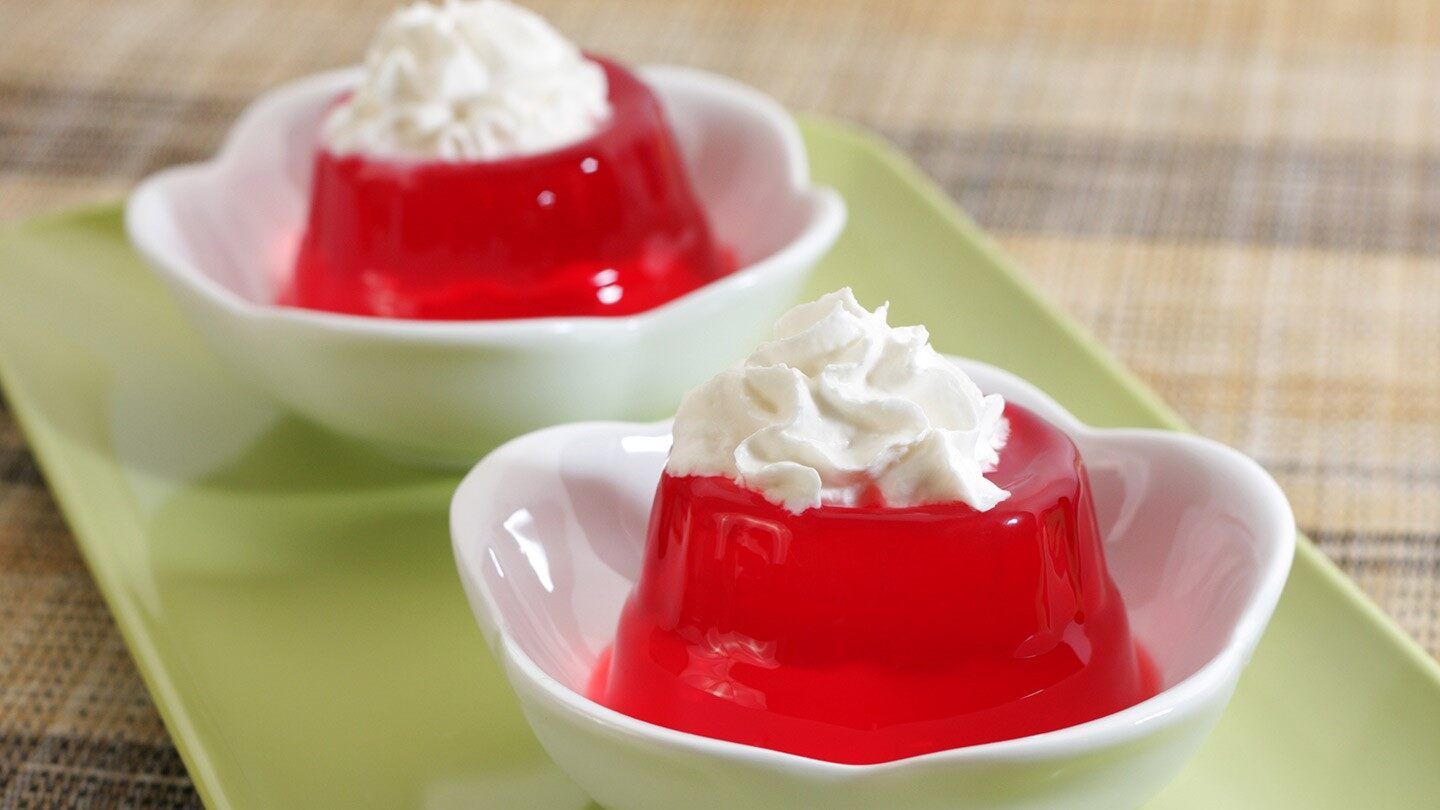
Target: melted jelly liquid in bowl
x: 868, y: 634
x: 605, y: 226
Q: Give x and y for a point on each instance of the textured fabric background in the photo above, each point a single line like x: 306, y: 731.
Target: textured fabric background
x: 1241, y: 199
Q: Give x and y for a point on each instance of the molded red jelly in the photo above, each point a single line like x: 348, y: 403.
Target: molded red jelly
x: 868, y: 634
x: 606, y: 226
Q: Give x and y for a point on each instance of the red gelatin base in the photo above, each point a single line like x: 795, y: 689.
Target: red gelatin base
x: 607, y: 226
x: 868, y: 634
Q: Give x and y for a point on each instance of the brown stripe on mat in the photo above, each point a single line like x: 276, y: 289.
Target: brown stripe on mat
x: 1399, y: 569
x: 87, y: 131
x: 86, y: 150
x: 91, y: 772
x: 21, y: 98
x: 1398, y: 473
x: 18, y: 468
x: 1415, y: 550
x: 1336, y: 197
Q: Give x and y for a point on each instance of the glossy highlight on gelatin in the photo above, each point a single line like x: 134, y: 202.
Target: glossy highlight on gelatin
x: 606, y: 226
x: 868, y: 634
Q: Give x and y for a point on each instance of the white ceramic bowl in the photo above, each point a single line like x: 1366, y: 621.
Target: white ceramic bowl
x: 222, y: 235
x: 549, y: 531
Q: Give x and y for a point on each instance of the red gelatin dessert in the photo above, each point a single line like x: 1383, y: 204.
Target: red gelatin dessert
x: 862, y: 634
x: 608, y: 225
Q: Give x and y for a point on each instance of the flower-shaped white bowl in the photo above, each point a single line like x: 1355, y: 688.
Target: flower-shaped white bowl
x: 549, y: 531
x: 223, y: 236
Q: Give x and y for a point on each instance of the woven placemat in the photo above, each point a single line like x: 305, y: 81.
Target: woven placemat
x: 1241, y: 199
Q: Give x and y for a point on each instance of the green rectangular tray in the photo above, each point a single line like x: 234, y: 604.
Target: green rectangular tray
x: 291, y: 601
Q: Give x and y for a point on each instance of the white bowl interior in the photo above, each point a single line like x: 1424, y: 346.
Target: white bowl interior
x: 1180, y: 544
x: 561, y: 518
x: 559, y: 570
x: 736, y: 157
x: 239, y: 220
x: 211, y: 219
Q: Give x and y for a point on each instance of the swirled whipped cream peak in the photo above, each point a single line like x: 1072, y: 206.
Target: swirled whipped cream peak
x: 839, y: 408
x: 469, y: 80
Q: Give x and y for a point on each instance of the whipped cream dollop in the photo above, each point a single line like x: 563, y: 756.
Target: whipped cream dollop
x: 840, y: 405
x: 467, y: 81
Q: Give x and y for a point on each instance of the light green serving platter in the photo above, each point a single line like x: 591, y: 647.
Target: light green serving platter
x: 292, y: 604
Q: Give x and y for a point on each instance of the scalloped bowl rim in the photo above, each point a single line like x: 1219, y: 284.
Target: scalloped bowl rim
x: 824, y: 224
x: 1172, y: 705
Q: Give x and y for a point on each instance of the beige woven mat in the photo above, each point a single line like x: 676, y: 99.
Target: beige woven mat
x: 1241, y: 199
